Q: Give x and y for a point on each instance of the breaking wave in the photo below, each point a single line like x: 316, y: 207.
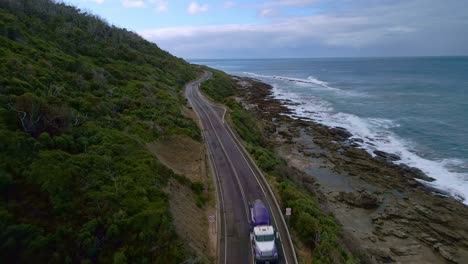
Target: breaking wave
x: 376, y: 135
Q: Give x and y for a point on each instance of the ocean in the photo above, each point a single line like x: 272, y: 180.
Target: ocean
x: 416, y: 108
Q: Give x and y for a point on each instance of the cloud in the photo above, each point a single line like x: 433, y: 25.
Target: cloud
x: 289, y: 3
x: 229, y: 4
x: 132, y: 3
x: 268, y: 12
x: 195, y: 8
x: 161, y: 5
x: 228, y: 39
x: 95, y: 1
x: 410, y: 27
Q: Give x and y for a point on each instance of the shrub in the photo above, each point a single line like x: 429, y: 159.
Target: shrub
x: 78, y: 101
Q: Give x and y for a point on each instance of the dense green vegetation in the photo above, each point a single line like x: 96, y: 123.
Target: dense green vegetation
x: 219, y: 87
x: 315, y: 228
x: 78, y: 101
x: 247, y: 127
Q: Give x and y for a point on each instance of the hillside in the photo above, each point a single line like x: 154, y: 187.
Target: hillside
x: 79, y: 99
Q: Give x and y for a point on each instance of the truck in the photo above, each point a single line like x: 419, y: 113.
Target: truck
x: 263, y: 236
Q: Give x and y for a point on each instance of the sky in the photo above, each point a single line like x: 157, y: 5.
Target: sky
x: 210, y: 29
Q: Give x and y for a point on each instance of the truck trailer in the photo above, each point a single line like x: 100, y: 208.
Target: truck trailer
x: 263, y: 236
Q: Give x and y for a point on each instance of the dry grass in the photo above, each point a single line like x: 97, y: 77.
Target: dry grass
x: 182, y: 154
x: 191, y: 222
x: 187, y: 157
x: 189, y: 113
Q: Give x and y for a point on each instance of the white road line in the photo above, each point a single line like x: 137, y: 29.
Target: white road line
x: 261, y: 187
x: 256, y: 178
x: 218, y: 186
x: 243, y: 153
x: 228, y: 159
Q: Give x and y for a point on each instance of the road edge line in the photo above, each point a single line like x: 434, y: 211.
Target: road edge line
x: 216, y: 180
x: 264, y: 180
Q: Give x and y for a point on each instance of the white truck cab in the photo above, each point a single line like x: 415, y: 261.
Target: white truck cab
x: 263, y: 236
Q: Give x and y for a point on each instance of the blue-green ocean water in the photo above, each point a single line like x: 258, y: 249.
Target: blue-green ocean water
x: 414, y: 107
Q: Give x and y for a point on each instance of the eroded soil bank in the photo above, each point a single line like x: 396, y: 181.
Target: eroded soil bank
x: 187, y: 158
x: 387, y: 214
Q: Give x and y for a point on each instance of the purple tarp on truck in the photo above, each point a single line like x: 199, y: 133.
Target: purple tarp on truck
x: 260, y: 215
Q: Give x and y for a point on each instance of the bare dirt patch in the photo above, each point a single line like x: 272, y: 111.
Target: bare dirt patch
x: 187, y: 157
x: 189, y: 113
x: 182, y: 154
x: 190, y: 221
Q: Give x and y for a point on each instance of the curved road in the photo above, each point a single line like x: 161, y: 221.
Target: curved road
x: 238, y: 182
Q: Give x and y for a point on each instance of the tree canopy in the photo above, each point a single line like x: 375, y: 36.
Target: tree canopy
x: 79, y: 98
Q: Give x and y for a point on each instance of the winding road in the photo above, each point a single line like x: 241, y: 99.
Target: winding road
x: 238, y: 182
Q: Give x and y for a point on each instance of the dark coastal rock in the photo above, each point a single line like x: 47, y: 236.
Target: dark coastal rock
x: 447, y: 253
x: 428, y: 238
x: 284, y: 132
x: 386, y: 156
x: 390, y: 213
x: 353, y: 142
x: 416, y: 173
x: 361, y: 199
x: 381, y: 254
x: 423, y: 211
x: 340, y: 132
x: 357, y: 153
x: 405, y: 250
x: 413, y: 217
x: 356, y: 140
x: 442, y: 193
x: 399, y: 234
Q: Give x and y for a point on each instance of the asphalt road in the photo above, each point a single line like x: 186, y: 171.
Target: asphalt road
x: 238, y: 182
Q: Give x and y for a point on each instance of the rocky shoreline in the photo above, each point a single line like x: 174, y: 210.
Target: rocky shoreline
x: 387, y: 212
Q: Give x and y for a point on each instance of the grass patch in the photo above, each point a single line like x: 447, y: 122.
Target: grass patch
x: 316, y: 229
x: 198, y: 188
x: 219, y: 87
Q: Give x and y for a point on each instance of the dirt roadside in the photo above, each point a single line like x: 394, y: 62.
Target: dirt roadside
x: 188, y: 158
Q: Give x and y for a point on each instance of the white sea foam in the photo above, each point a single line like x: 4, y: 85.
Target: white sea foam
x: 317, y: 81
x: 309, y: 80
x: 376, y: 135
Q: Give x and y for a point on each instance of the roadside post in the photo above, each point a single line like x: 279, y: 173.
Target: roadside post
x: 288, y: 214
x: 212, y: 219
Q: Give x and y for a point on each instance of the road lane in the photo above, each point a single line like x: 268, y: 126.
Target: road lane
x: 238, y: 182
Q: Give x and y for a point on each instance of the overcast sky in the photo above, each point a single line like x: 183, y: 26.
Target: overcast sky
x: 293, y: 28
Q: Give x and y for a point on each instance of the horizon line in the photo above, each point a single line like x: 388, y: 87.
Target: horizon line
x: 331, y: 57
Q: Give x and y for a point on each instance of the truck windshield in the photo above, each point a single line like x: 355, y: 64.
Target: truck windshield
x: 264, y: 238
